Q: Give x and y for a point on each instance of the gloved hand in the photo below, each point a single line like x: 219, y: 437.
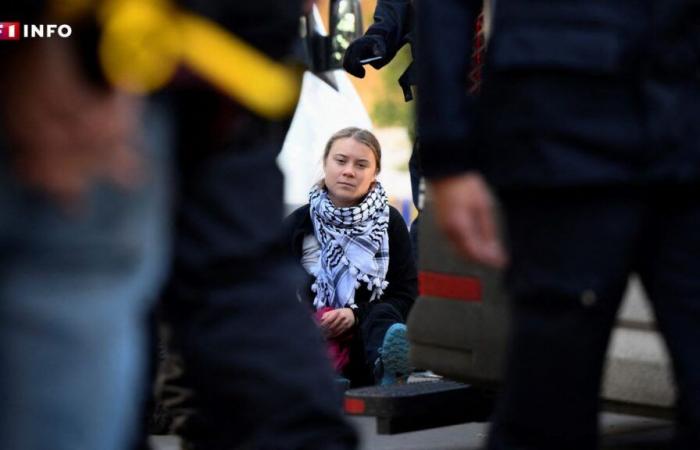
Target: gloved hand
x: 367, y: 46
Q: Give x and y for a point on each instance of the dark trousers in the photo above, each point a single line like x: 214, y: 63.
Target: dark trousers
x: 364, y: 349
x: 415, y: 171
x: 567, y: 245
x: 250, y: 351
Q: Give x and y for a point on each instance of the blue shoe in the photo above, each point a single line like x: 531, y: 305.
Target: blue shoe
x: 396, y: 366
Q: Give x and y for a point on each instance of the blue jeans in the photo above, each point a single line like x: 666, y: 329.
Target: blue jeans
x: 74, y: 293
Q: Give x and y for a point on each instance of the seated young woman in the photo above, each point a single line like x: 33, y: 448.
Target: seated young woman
x: 357, y: 251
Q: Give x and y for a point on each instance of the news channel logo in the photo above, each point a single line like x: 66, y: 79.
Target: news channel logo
x: 14, y: 31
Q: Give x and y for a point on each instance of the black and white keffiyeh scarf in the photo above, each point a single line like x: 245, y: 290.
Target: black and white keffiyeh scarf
x: 354, y: 247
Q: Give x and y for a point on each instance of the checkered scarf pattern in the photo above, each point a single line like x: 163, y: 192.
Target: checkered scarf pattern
x: 354, y: 247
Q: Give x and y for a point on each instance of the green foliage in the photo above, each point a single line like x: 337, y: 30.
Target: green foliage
x: 390, y: 108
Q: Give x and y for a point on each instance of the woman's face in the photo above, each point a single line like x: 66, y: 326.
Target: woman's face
x: 350, y: 169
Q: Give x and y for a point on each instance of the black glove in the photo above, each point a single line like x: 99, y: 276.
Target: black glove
x: 367, y: 46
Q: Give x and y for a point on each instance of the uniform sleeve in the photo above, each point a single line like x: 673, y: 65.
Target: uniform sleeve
x: 445, y: 31
x: 393, y: 21
x: 402, y: 276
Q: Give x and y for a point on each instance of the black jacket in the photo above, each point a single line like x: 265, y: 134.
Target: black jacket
x: 401, y: 274
x: 394, y: 22
x: 576, y: 93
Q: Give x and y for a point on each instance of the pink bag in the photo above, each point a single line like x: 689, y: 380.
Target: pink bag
x: 338, y: 348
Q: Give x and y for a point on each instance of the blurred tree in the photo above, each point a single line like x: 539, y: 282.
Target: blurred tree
x: 390, y: 108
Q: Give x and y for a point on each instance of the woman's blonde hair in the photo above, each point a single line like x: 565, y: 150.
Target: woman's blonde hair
x: 360, y: 135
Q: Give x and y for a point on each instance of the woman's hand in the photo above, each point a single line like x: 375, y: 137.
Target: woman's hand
x: 337, y: 321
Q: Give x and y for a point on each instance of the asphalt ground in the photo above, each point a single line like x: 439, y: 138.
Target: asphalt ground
x: 620, y: 432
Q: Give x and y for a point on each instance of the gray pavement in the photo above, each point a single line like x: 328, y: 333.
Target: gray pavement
x: 456, y: 437
x: 619, y: 433
x: 165, y: 442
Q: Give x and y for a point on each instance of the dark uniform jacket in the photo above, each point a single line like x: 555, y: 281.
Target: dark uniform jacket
x: 220, y: 143
x: 401, y: 274
x: 593, y: 92
x: 394, y: 22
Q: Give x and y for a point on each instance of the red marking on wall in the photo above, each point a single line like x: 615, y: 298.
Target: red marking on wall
x: 453, y: 287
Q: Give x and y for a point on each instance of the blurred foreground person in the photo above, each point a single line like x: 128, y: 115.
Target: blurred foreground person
x: 585, y: 128
x: 253, y: 372
x: 357, y: 251
x: 82, y: 240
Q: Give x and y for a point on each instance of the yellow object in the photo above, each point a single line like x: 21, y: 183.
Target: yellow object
x: 144, y: 42
x: 140, y: 48
x: 263, y: 85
